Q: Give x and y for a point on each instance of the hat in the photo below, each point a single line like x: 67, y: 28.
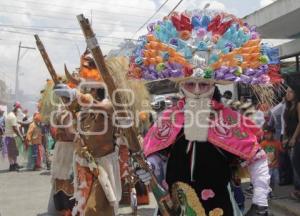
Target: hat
x: 37, y: 117
x: 17, y: 105
x: 87, y: 71
x: 63, y: 90
x: 201, y: 44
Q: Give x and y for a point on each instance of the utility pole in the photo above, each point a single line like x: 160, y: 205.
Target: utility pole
x: 17, y: 68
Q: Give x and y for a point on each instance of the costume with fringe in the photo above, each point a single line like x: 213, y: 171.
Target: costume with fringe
x: 198, y: 49
x: 86, y: 186
x: 61, y: 169
x: 35, y: 149
x: 97, y: 181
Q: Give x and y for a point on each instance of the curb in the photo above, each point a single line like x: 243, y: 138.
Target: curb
x: 281, y: 206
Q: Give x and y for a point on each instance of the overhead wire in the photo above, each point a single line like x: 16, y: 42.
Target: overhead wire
x: 54, y: 31
x: 57, y: 38
x: 176, y: 6
x: 130, y: 23
x: 72, y: 19
x: 77, y: 8
x: 96, y: 10
x: 97, y: 2
x: 156, y: 12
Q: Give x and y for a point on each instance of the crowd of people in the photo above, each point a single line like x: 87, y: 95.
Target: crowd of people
x: 22, y: 135
x: 192, y: 152
x: 280, y: 139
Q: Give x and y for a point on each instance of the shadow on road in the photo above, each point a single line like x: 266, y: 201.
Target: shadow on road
x: 45, y: 214
x: 4, y: 171
x: 45, y: 173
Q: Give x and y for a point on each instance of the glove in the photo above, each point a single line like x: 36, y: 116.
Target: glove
x: 63, y: 90
x: 256, y: 210
x: 144, y: 176
x: 141, y: 173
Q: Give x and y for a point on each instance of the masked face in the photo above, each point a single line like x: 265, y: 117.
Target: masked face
x: 197, y: 108
x: 196, y: 88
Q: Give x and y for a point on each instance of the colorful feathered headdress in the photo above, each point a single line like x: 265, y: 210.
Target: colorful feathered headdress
x: 205, y: 44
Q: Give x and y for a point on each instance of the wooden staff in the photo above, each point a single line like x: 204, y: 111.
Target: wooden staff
x: 46, y: 59
x: 84, y: 151
x: 162, y: 196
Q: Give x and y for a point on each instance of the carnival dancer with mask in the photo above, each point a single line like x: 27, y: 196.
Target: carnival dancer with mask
x: 97, y: 181
x: 61, y: 169
x: 54, y: 115
x: 200, y: 138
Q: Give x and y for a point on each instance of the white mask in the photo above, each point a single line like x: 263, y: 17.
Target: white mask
x: 196, y: 114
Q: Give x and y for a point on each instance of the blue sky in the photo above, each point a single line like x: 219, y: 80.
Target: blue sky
x: 57, y: 26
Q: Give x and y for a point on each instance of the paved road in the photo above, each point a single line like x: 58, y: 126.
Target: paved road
x: 23, y: 193
x: 26, y: 193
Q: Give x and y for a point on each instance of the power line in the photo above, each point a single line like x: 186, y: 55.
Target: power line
x: 96, y: 20
x: 35, y: 28
x: 57, y: 38
x: 47, y: 27
x: 176, y: 6
x: 57, y: 12
x: 96, y: 10
x: 161, y: 6
x: 62, y: 18
x: 62, y: 6
x: 97, y: 2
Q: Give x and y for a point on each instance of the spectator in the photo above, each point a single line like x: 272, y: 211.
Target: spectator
x: 276, y: 121
x: 243, y: 99
x: 227, y: 98
x: 11, y: 133
x: 272, y: 148
x: 292, y: 132
x: 236, y: 187
x: 25, y: 121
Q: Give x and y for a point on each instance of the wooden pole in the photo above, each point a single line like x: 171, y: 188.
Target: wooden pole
x: 46, y: 59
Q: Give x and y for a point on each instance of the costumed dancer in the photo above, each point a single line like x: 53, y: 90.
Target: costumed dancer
x: 34, y: 139
x: 55, y: 115
x: 48, y: 104
x: 96, y: 167
x: 199, y: 138
x: 61, y: 169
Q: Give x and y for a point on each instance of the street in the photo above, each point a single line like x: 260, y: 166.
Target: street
x: 26, y: 193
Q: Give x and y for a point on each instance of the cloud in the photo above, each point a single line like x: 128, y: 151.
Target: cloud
x: 215, y: 5
x: 264, y: 3
x: 195, y: 4
x: 113, y: 20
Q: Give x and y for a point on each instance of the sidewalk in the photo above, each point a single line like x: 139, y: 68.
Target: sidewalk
x: 283, y: 202
x: 26, y: 193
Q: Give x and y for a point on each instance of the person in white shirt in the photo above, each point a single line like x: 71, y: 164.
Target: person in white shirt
x: 11, y: 132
